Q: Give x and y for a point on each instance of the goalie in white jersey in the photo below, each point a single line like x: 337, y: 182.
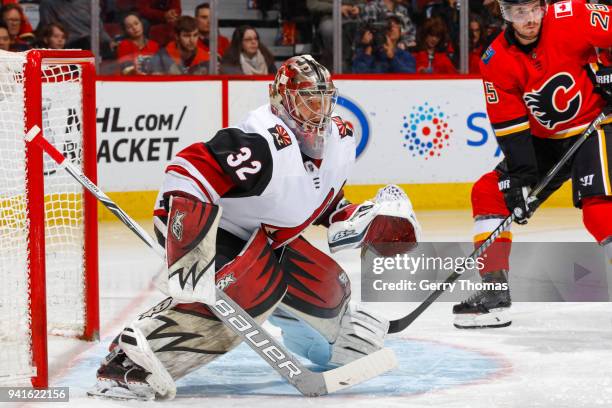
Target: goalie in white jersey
x: 231, y: 211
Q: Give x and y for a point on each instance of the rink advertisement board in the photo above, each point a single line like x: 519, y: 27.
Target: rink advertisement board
x: 142, y: 125
x: 409, y: 131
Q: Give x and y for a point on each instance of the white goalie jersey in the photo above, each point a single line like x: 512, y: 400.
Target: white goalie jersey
x: 256, y: 173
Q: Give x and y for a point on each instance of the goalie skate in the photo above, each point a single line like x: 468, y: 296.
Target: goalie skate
x: 485, y: 308
x: 120, y: 378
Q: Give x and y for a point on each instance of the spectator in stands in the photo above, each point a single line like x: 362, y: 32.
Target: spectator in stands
x: 202, y: 15
x: 160, y: 11
x: 19, y: 29
x: 182, y: 56
x: 136, y: 50
x: 161, y: 16
x: 477, y: 43
x: 75, y: 16
x: 448, y: 12
x: 5, y: 38
x: 322, y: 12
x: 432, y: 53
x: 377, y: 13
x: 493, y: 21
x: 52, y: 36
x: 382, y: 54
x: 246, y: 55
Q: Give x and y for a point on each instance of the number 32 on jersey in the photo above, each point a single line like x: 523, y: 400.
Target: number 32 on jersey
x: 242, y: 163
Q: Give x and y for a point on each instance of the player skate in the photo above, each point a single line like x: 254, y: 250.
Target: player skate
x: 486, y: 308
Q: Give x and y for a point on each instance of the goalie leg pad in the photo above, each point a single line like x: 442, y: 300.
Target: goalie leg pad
x: 172, y: 342
x: 173, y: 339
x: 317, y: 287
x: 315, y: 317
x: 301, y: 338
x: 360, y: 332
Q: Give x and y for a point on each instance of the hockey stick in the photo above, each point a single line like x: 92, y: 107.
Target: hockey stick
x: 309, y: 383
x: 398, y: 325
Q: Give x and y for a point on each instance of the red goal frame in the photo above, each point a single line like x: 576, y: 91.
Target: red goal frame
x: 33, y: 80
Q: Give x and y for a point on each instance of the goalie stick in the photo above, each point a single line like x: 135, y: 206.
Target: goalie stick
x: 398, y: 325
x: 309, y: 383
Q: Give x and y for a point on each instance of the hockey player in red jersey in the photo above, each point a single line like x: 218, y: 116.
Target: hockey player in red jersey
x: 231, y: 212
x: 540, y: 97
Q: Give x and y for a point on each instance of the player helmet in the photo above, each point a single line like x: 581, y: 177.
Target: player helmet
x: 304, y: 96
x: 521, y: 11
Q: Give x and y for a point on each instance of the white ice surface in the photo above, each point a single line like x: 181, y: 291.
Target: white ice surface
x: 553, y: 355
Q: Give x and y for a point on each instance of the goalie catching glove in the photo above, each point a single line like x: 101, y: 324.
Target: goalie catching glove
x: 190, y: 250
x: 387, y: 224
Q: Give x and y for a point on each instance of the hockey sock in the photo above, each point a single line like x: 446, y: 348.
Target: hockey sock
x: 597, y: 217
x: 497, y: 256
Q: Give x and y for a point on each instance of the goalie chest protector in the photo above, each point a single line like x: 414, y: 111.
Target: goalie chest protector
x: 276, y: 189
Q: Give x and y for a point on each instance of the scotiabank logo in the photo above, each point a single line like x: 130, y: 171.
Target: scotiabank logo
x: 426, y: 132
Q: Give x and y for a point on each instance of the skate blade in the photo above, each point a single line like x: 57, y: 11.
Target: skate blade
x: 110, y: 389
x: 494, y: 319
x: 110, y: 395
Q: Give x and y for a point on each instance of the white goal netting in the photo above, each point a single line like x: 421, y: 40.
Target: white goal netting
x: 64, y: 222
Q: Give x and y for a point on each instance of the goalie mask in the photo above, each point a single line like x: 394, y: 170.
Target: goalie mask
x: 304, y: 96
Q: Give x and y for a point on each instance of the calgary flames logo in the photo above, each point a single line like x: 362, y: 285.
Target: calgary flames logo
x: 552, y: 105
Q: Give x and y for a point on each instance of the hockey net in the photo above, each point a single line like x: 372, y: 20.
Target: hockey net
x: 48, y: 236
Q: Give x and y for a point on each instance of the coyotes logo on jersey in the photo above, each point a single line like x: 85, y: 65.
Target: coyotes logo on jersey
x: 345, y: 128
x: 281, y: 137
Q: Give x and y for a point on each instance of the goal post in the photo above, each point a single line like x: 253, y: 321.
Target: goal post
x: 48, y: 225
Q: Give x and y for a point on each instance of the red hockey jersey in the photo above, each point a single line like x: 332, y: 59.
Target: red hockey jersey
x: 544, y: 89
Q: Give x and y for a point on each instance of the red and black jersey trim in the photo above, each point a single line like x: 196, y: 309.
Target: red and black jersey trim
x: 323, y: 219
x: 200, y: 157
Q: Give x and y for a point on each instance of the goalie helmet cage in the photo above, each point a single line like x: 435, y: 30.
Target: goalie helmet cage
x: 48, y: 225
